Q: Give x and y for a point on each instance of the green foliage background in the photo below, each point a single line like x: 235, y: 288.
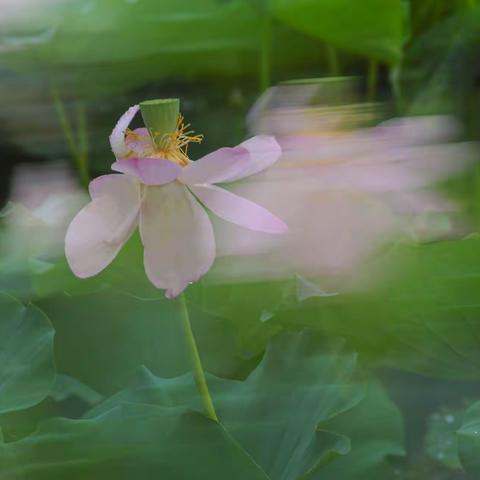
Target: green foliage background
x: 94, y: 378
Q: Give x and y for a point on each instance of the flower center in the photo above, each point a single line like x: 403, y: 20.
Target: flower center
x: 174, y: 146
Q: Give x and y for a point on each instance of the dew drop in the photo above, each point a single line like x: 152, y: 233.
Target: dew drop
x: 449, y: 418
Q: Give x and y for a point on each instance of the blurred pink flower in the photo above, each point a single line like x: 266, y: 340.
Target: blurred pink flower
x: 346, y: 189
x: 43, y: 200
x: 160, y: 190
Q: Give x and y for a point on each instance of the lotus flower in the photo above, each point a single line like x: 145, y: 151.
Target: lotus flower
x: 166, y: 194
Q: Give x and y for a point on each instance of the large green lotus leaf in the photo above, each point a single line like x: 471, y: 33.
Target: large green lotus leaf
x: 130, y: 441
x: 255, y: 318
x: 27, y: 370
x: 468, y: 438
x: 107, y: 31
x: 301, y: 382
x: 372, y: 27
x: 66, y: 387
x: 68, y: 397
x: 434, y: 322
x: 106, y: 46
x: 375, y: 430
x: 102, y: 338
x: 438, y: 343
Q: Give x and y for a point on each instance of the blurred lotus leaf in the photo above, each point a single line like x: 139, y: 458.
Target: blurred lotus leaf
x: 137, y: 440
x: 106, y: 46
x: 375, y: 429
x: 261, y: 413
x: 468, y: 437
x: 66, y: 387
x: 437, y: 74
x: 423, y: 318
x: 373, y: 28
x: 27, y: 370
x: 441, y: 439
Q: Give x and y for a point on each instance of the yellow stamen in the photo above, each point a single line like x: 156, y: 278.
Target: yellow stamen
x: 174, y: 146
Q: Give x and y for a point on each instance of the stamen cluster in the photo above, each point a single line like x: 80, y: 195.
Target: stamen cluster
x: 174, y: 146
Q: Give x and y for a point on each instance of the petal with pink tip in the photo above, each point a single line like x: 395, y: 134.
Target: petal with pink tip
x: 178, y: 238
x: 264, y: 151
x: 230, y: 164
x: 99, y: 230
x: 117, y: 137
x: 150, y: 171
x: 216, y: 167
x: 238, y: 210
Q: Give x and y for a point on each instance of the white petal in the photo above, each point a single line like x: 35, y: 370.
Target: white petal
x: 178, y: 237
x: 100, y: 229
x: 117, y: 137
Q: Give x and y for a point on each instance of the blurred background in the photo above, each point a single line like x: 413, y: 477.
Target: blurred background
x: 375, y: 101
x: 68, y: 69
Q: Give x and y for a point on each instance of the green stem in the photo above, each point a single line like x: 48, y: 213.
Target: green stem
x: 82, y: 150
x: 79, y: 154
x: 372, y: 80
x: 476, y: 195
x: 64, y: 123
x: 333, y: 61
x: 197, y: 368
x: 394, y: 76
x: 265, y: 54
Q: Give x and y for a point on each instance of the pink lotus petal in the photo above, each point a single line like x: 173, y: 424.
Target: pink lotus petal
x: 216, y: 167
x: 117, y: 137
x: 102, y: 185
x: 139, y: 142
x: 100, y: 229
x: 238, y: 210
x: 264, y: 151
x: 150, y: 171
x: 178, y: 238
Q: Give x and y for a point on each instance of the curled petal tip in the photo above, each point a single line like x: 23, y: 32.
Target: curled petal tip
x: 263, y: 151
x: 171, y: 294
x: 117, y: 137
x: 279, y: 227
